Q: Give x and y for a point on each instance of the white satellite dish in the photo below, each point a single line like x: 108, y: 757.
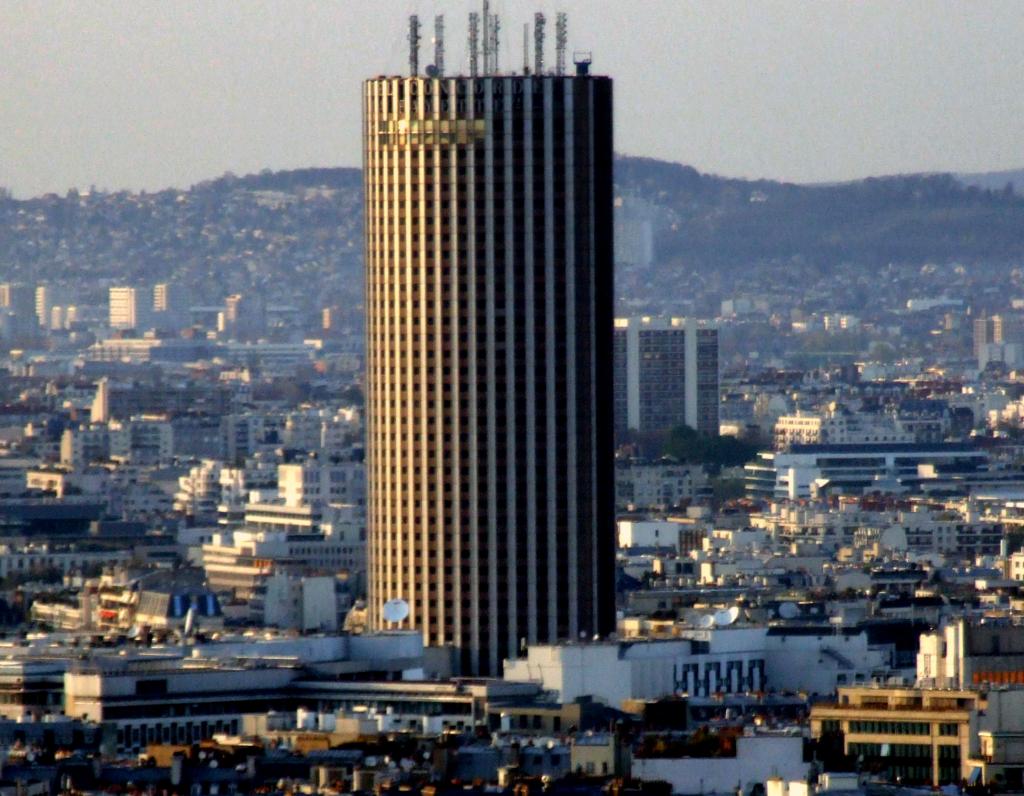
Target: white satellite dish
x: 395, y: 610
x: 726, y: 616
x: 707, y: 621
x: 789, y: 610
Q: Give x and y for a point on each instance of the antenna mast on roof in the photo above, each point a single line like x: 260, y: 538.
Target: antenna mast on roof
x: 526, y: 48
x: 474, y: 43
x: 439, y: 44
x: 487, y: 38
x: 495, y: 27
x: 561, y: 40
x: 538, y: 42
x: 414, y: 45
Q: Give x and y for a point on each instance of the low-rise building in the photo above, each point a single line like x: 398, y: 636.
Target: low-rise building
x: 914, y: 735
x: 804, y: 471
x: 239, y: 562
x: 183, y: 695
x: 659, y: 485
x: 837, y: 425
x: 747, y: 762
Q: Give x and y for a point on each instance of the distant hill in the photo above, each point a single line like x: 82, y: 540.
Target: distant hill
x: 346, y: 179
x: 298, y: 234
x: 996, y: 180
x: 728, y: 223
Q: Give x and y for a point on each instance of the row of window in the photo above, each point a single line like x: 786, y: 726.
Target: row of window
x: 891, y: 727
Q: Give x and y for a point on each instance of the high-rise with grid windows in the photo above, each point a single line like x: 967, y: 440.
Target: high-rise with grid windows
x: 666, y: 375
x: 489, y: 358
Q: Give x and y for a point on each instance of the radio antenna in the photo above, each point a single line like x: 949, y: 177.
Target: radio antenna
x: 414, y: 45
x: 439, y: 44
x: 561, y: 40
x: 495, y: 50
x: 474, y: 43
x: 526, y: 48
x: 538, y: 43
x: 487, y: 38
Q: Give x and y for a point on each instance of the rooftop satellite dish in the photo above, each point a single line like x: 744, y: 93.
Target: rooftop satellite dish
x: 726, y: 616
x: 707, y: 621
x: 789, y: 611
x: 395, y: 610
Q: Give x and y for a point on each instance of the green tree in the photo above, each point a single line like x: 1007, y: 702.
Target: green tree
x: 713, y: 451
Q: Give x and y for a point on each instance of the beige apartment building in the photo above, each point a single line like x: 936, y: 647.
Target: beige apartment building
x: 914, y: 735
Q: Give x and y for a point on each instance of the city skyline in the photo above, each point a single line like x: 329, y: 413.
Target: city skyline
x: 153, y: 98
x: 501, y: 465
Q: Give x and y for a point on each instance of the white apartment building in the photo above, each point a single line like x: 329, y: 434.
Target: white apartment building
x: 657, y: 485
x: 83, y: 445
x: 327, y: 430
x: 212, y: 492
x: 141, y: 440
x: 266, y: 514
x: 145, y: 440
x: 1015, y: 566
x: 43, y: 300
x: 240, y: 561
x: 199, y: 492
x: 953, y: 528
x: 838, y: 426
x: 318, y: 481
x: 127, y: 307
x: 648, y: 533
x: 315, y: 430
x: 819, y: 523
x: 942, y: 530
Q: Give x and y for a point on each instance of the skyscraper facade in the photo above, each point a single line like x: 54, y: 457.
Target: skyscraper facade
x: 666, y: 374
x: 489, y: 335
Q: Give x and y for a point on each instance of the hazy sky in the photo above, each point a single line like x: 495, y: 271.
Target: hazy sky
x: 149, y: 94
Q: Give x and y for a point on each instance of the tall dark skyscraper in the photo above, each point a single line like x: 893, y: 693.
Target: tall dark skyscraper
x: 489, y: 358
